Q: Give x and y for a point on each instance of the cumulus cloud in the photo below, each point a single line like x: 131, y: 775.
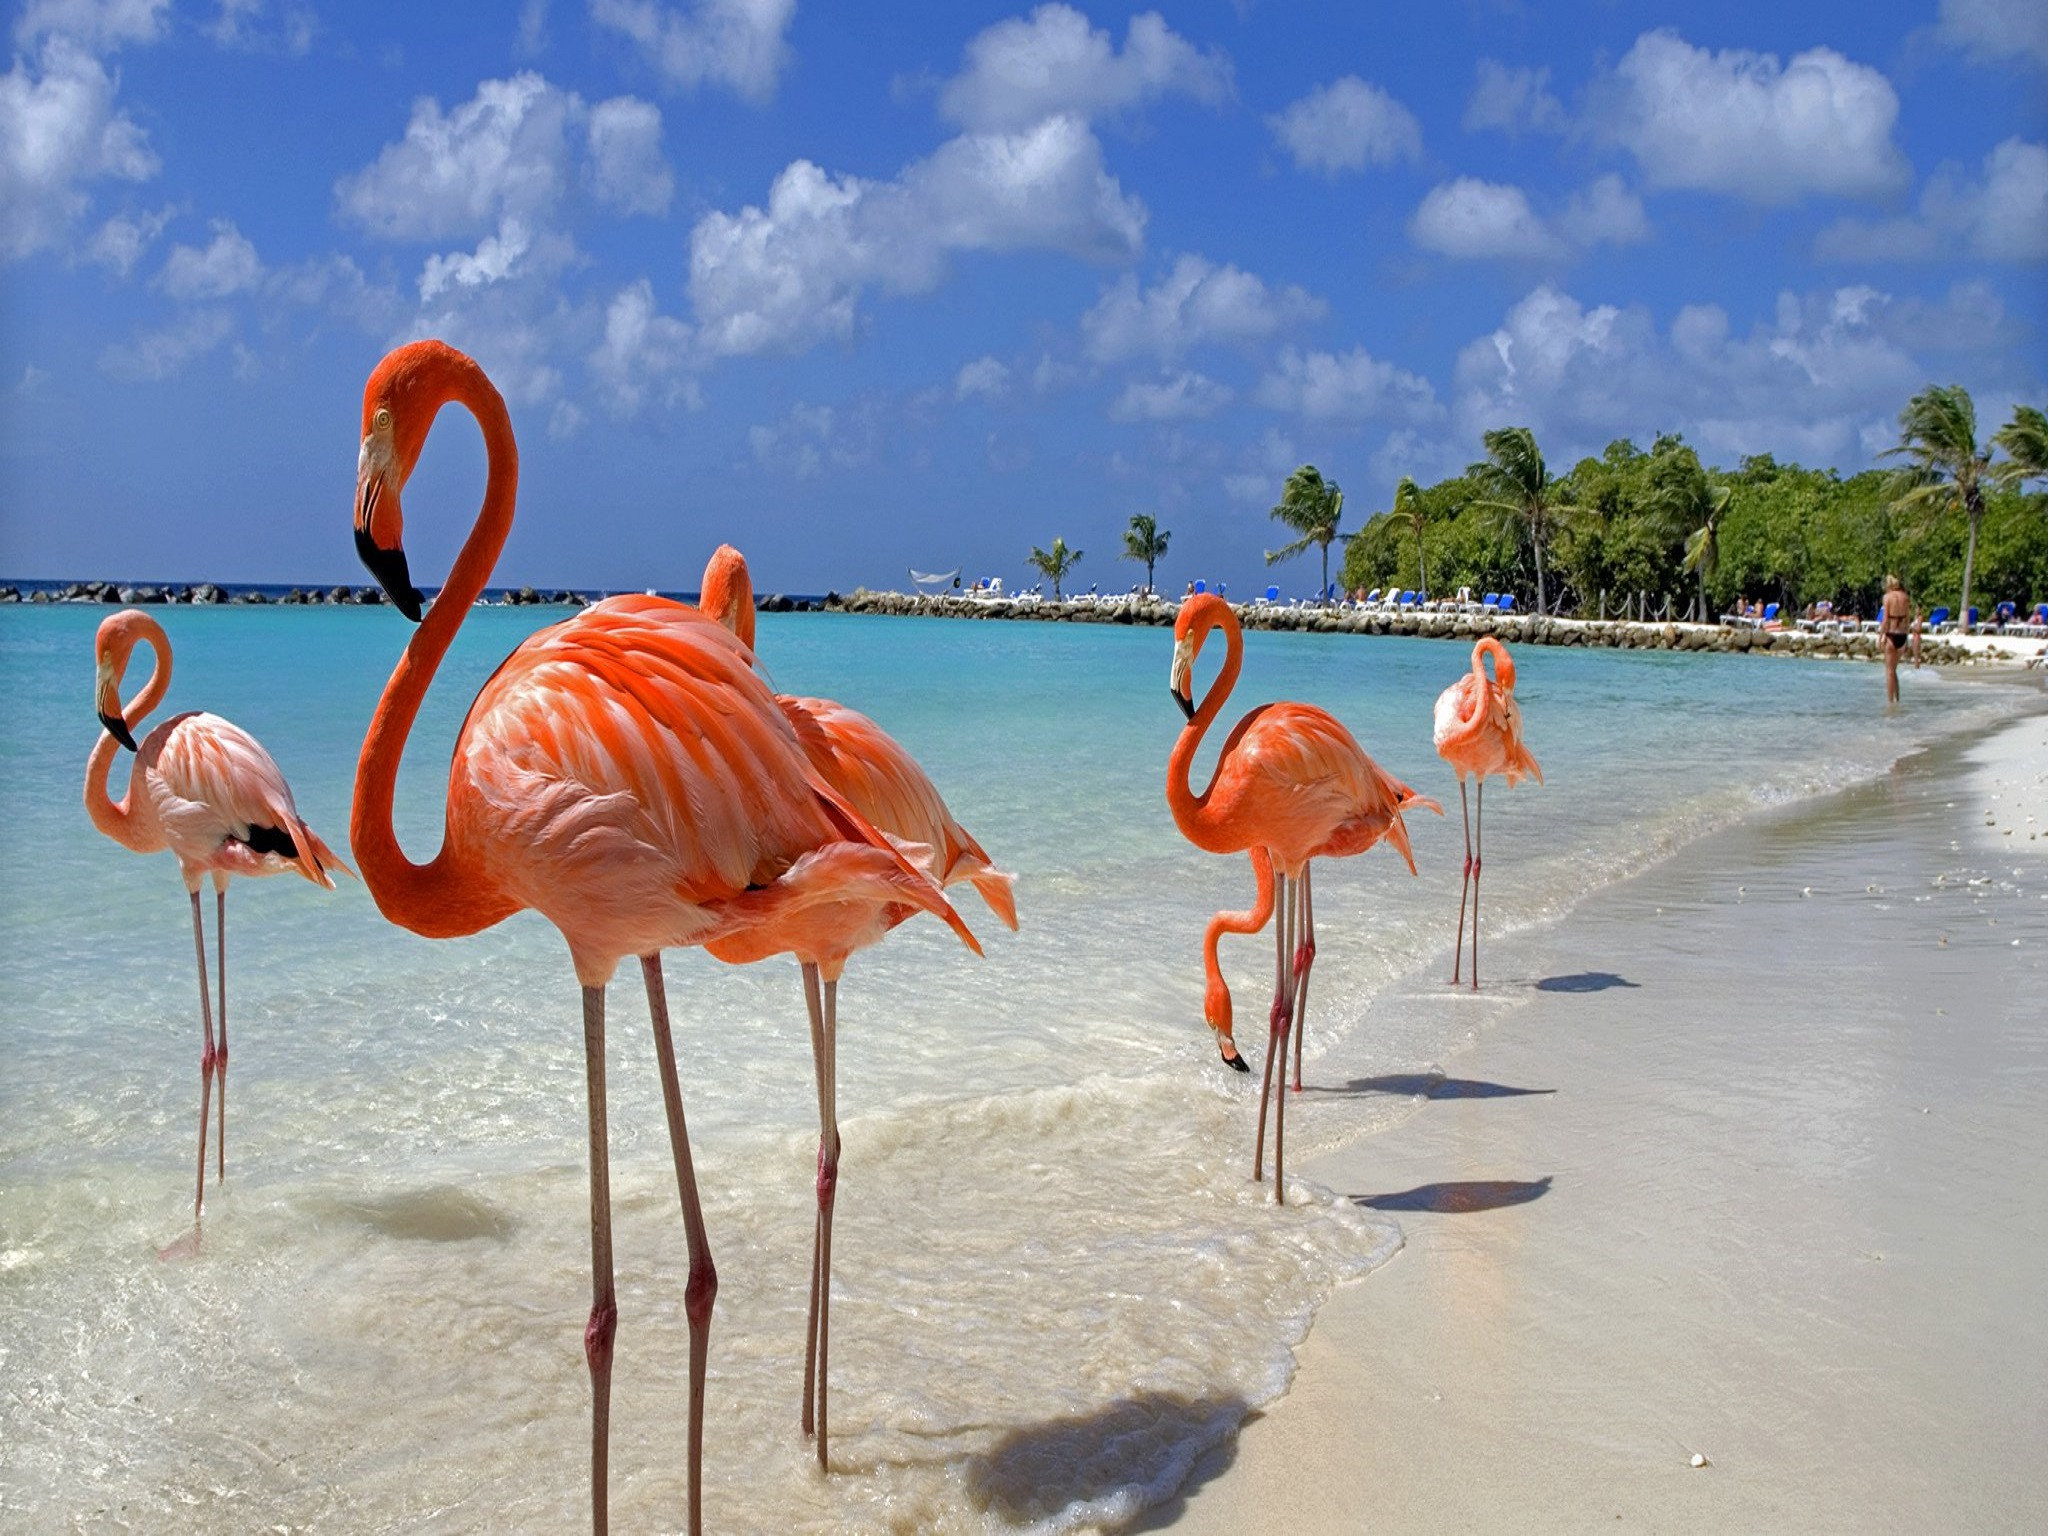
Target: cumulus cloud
x: 1745, y: 124
x: 158, y: 354
x: 227, y: 265
x: 98, y: 26
x: 1263, y: 469
x: 1996, y: 29
x: 1811, y: 381
x: 120, y: 242
x: 626, y: 163
x: 984, y: 376
x: 1474, y: 219
x: 1052, y: 63
x: 1352, y: 386
x: 737, y: 43
x: 1513, y: 100
x: 2003, y: 217
x: 1346, y: 126
x: 258, y: 26
x: 790, y: 275
x: 644, y: 354
x: 1184, y: 396
x: 811, y: 437
x: 59, y: 130
x: 1195, y: 304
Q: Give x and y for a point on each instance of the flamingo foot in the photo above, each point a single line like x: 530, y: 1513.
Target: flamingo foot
x: 1231, y: 1058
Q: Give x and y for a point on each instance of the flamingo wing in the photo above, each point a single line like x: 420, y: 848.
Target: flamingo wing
x: 213, y: 785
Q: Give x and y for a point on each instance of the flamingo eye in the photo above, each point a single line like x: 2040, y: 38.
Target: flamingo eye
x: 381, y: 422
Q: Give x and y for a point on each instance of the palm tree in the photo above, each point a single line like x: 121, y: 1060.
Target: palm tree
x: 1703, y: 544
x: 1938, y: 433
x: 1522, y: 488
x: 1408, y: 503
x: 1143, y: 541
x: 2025, y: 441
x: 1055, y: 563
x: 1311, y: 506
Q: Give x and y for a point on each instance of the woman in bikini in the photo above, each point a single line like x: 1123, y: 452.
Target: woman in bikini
x: 1898, y: 622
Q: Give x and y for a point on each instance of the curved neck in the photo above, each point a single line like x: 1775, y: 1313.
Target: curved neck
x: 1190, y: 810
x: 1503, y: 663
x: 448, y: 896
x: 116, y: 818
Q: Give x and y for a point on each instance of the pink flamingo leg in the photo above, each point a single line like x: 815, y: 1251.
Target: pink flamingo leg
x: 825, y: 1052
x: 1464, y: 884
x: 206, y: 1056
x: 702, y: 1287
x: 604, y: 1306
x: 1304, y: 957
x: 1478, y: 848
x: 1286, y: 906
x: 220, y: 936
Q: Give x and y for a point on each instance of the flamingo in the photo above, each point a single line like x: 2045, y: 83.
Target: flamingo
x: 1294, y: 785
x: 624, y: 774
x: 886, y: 785
x: 204, y: 788
x: 1479, y: 731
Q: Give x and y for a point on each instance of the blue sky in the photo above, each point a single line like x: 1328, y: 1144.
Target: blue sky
x: 860, y: 287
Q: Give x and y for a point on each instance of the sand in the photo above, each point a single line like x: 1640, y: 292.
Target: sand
x: 1748, y: 1163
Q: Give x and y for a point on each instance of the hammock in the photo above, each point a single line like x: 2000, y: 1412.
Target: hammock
x: 924, y: 579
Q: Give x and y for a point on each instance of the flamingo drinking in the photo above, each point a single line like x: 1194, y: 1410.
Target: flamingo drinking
x: 1479, y: 731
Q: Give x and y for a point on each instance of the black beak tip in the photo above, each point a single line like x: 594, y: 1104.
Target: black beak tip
x: 118, y: 729
x: 1187, y: 705
x: 389, y: 567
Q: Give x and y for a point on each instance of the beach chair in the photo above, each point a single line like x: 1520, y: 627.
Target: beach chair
x: 2002, y: 615
x: 1770, y: 618
x: 1937, y: 618
x: 1490, y: 603
x: 1372, y: 598
x: 1200, y: 588
x: 1507, y: 603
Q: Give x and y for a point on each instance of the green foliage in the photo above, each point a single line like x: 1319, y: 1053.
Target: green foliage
x: 1145, y: 543
x: 1312, y: 507
x: 1055, y: 563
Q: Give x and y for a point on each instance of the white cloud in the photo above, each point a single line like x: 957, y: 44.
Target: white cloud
x: 810, y: 437
x: 99, y: 26
x: 1512, y: 100
x: 1353, y: 386
x: 1184, y: 396
x: 790, y: 275
x: 1346, y: 126
x: 738, y: 43
x: 227, y: 265
x: 156, y: 355
x: 1195, y: 304
x: 626, y: 161
x: 1264, y: 470
x: 58, y: 130
x: 1744, y: 124
x: 250, y: 26
x: 1811, y: 381
x: 119, y: 243
x: 1022, y: 70
x: 1474, y: 219
x: 496, y: 257
x: 984, y: 376
x: 531, y: 40
x: 2002, y: 218
x: 643, y: 355
x: 1996, y: 29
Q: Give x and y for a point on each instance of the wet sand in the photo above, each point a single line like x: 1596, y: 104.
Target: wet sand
x: 1748, y: 1162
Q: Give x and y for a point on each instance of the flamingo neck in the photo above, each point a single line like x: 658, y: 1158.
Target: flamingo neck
x: 1191, y: 810
x: 452, y: 894
x: 117, y: 818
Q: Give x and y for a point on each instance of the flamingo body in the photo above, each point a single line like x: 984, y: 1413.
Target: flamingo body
x: 1291, y: 785
x: 205, y: 789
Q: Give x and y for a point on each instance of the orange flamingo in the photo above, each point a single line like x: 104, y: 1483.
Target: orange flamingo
x: 205, y: 789
x: 624, y: 774
x: 1293, y: 785
x: 1479, y: 731
x: 886, y: 785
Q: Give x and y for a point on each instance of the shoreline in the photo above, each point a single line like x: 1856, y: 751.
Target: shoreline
x: 1661, y: 1205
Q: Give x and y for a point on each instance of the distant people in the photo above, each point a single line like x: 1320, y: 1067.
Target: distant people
x: 1898, y: 621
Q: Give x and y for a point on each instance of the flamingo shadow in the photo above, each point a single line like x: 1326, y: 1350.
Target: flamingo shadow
x: 1458, y: 1197
x: 1112, y: 1456
x: 1429, y: 1085
x: 443, y: 1215
x: 1585, y: 981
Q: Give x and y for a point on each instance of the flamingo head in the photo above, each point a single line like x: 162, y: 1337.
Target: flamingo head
x: 727, y: 593
x: 118, y: 636
x: 107, y: 699
x: 1198, y: 616
x: 399, y: 404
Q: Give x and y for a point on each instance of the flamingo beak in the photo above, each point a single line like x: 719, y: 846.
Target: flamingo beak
x: 1180, y: 675
x: 1186, y: 704
x: 376, y: 506
x: 118, y: 729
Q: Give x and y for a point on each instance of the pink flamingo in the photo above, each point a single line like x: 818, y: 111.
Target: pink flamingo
x: 886, y: 785
x: 1479, y: 731
x: 624, y: 774
x: 1293, y: 784
x: 205, y: 789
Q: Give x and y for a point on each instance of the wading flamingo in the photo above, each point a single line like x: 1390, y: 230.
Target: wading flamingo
x: 205, y: 789
x: 626, y: 775
x: 1291, y: 782
x: 1479, y: 731
x: 886, y: 785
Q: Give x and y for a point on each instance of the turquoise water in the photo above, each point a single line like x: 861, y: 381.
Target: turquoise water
x: 1054, y: 1282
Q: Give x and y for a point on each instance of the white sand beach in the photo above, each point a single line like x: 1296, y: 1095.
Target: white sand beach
x: 1733, y: 1217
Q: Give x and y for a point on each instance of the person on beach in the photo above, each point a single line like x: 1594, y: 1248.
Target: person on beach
x: 1898, y: 621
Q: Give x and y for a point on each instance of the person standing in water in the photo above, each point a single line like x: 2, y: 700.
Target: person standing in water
x: 1898, y: 621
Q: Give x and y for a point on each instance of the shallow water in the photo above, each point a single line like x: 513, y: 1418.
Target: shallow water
x: 1054, y: 1283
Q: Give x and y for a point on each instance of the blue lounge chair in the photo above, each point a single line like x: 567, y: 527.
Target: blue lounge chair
x: 1770, y: 613
x: 1507, y: 602
x: 1490, y: 602
x: 1937, y: 618
x: 1200, y: 587
x: 1973, y: 618
x: 2003, y: 613
x: 1272, y: 594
